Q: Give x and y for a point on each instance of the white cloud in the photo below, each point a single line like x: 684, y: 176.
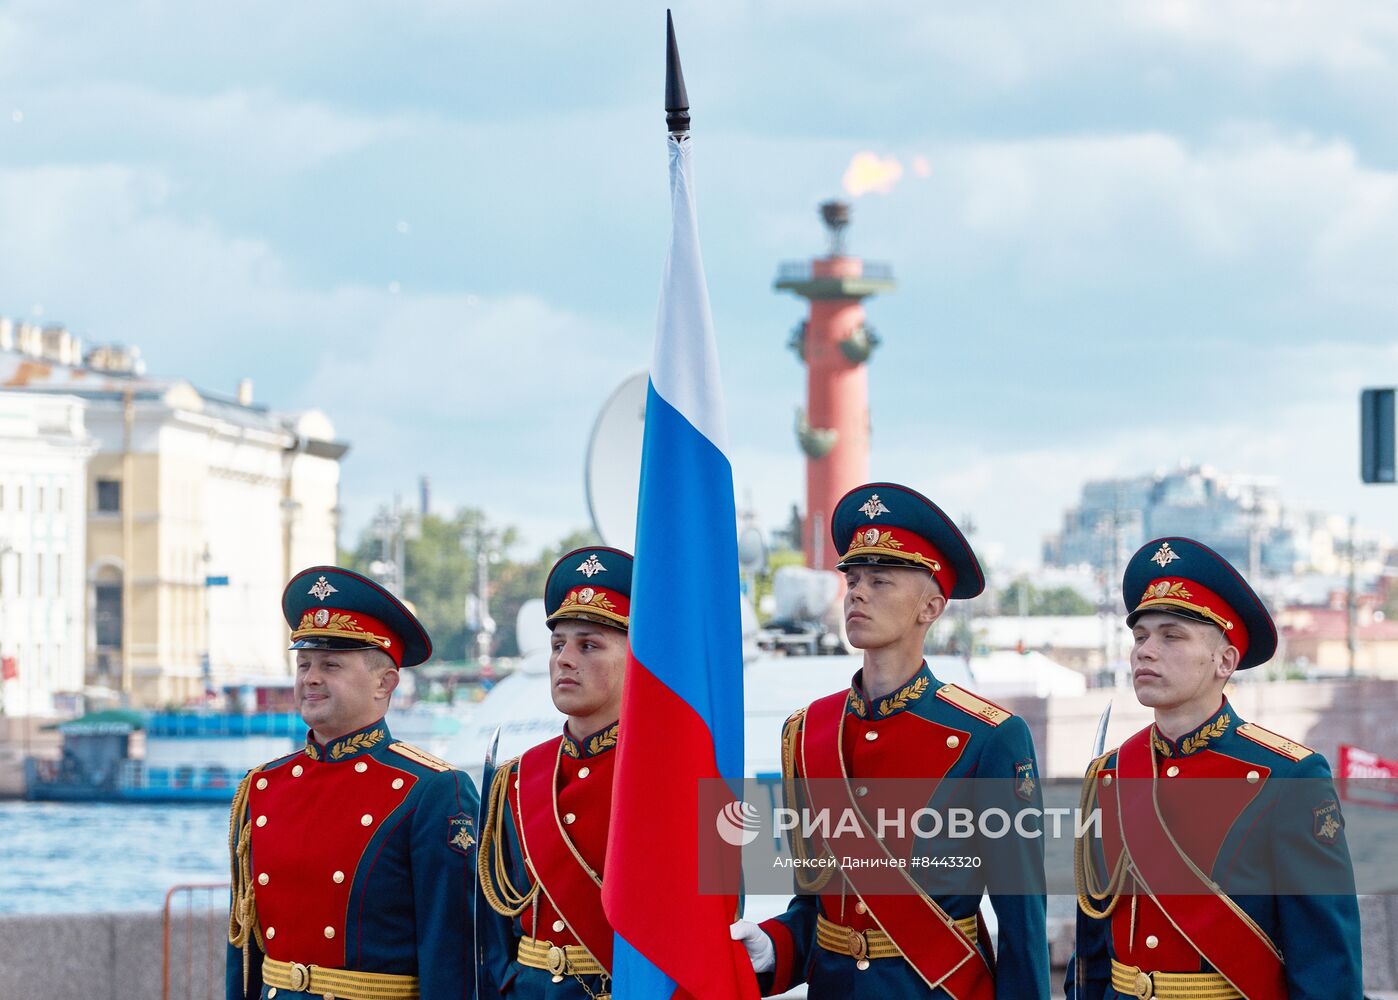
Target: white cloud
x: 1351, y: 37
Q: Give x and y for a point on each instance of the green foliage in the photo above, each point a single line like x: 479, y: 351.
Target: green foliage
x: 441, y: 554
x: 1022, y: 597
x: 776, y: 559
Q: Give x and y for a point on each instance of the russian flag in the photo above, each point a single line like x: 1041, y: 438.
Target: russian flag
x: 682, y: 709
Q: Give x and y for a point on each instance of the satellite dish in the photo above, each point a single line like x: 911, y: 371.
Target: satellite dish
x: 612, y: 474
x: 531, y: 628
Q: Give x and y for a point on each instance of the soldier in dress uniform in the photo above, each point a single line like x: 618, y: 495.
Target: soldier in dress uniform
x: 911, y: 931
x: 544, y: 835
x: 1222, y: 869
x: 354, y: 857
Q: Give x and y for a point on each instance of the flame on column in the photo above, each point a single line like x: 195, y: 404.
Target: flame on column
x: 870, y: 172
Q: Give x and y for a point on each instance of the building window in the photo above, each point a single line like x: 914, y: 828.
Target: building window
x: 39, y: 499
x: 58, y: 499
x: 2, y: 496
x: 58, y: 575
x: 38, y: 574
x: 19, y: 498
x: 108, y: 615
x: 109, y: 495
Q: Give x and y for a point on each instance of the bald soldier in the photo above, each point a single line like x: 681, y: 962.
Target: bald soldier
x: 353, y: 858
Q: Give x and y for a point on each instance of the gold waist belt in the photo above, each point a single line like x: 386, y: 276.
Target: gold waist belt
x: 558, y: 959
x: 341, y: 983
x: 873, y: 943
x: 1171, y: 985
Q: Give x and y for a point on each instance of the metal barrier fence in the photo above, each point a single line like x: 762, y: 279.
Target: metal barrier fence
x: 194, y: 932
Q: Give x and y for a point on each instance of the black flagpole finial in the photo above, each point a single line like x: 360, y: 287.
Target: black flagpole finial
x: 676, y: 99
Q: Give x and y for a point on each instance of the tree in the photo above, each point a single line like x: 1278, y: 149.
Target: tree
x: 441, y: 570
x: 1022, y: 598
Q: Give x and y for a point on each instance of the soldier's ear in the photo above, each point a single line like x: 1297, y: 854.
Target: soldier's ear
x: 1228, y: 657
x: 933, y: 608
x: 388, y: 681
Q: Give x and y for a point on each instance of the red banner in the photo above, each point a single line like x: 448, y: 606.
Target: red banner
x: 9, y: 668
x: 1368, y: 778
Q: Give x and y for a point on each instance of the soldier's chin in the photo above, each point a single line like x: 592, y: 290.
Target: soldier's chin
x: 1151, y: 693
x: 315, y: 711
x: 571, y: 701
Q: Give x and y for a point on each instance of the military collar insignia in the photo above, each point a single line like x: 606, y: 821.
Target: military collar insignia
x: 873, y: 507
x: 322, y: 589
x: 898, y: 701
x: 855, y: 704
x: 1194, y: 741
x: 591, y: 566
x: 348, y: 747
x: 598, y: 743
x: 1164, y: 555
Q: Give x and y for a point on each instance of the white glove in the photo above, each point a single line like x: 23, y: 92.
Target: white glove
x: 758, y: 945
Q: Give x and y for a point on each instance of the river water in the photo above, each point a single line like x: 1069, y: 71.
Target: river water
x: 98, y: 857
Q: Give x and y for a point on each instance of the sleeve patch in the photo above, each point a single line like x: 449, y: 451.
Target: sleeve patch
x: 461, y: 833
x: 1326, y: 822
x: 1025, y: 780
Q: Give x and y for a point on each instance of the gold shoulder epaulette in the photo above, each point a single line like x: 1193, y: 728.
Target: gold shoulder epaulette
x: 988, y: 712
x: 419, y: 756
x: 1277, y: 744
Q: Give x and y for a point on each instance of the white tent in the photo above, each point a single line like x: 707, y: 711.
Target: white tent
x: 1007, y: 674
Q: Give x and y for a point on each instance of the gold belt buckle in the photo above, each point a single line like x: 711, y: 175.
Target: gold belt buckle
x: 558, y: 963
x: 300, y: 977
x: 1145, y: 989
x: 859, y: 949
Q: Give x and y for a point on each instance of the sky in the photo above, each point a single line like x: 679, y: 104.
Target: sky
x: 1125, y: 235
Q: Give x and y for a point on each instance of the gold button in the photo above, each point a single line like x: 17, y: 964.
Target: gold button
x: 862, y: 791
x: 262, y: 821
x: 859, y: 907
x: 871, y: 736
x: 558, y: 925
x: 953, y: 741
x: 271, y: 933
x: 361, y: 767
x: 1171, y: 771
x: 297, y: 770
x: 327, y: 996
x: 261, y: 783
x: 862, y: 965
x: 263, y: 879
x: 271, y: 993
x: 584, y: 772
x: 338, y: 877
x: 570, y: 819
x: 365, y: 820
x: 1254, y: 777
x: 329, y: 932
x: 516, y: 784
x: 397, y: 782
x: 1152, y: 941
x: 1107, y: 780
